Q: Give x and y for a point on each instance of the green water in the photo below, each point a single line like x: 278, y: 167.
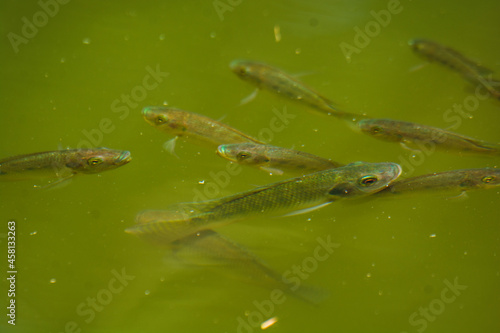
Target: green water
x: 395, y: 257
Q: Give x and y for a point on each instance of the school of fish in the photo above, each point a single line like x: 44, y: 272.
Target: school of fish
x: 188, y: 228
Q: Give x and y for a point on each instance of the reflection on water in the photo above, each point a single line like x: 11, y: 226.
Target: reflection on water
x: 78, y: 74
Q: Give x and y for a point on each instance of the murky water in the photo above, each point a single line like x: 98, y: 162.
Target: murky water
x: 80, y: 76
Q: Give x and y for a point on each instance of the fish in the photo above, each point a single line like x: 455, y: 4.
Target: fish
x: 292, y: 196
x: 212, y: 250
x: 275, y: 80
x: 455, y: 180
x: 192, y: 126
x: 467, y: 68
x: 61, y: 165
x: 417, y: 135
x: 275, y: 160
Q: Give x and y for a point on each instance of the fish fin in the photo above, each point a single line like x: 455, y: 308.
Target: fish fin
x: 250, y: 97
x: 404, y: 145
x: 272, y: 171
x: 170, y: 146
x: 59, y: 183
x: 418, y: 67
x: 462, y: 196
x: 307, y: 210
x: 222, y: 118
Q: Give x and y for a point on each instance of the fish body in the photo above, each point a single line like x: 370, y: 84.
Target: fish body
x: 275, y: 159
x: 299, y: 194
x: 412, y: 133
x: 192, y: 126
x: 274, y: 79
x: 61, y: 164
x: 455, y: 180
x: 453, y: 59
x: 210, y: 249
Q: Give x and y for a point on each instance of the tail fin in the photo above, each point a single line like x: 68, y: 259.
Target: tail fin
x: 168, y: 225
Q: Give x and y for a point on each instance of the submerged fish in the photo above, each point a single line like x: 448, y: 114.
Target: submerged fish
x: 416, y: 134
x: 210, y: 249
x: 274, y: 79
x: 292, y: 196
x: 451, y: 58
x: 192, y: 126
x: 275, y: 159
x: 455, y: 180
x: 61, y: 164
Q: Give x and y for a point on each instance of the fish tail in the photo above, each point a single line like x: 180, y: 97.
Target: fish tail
x: 163, y: 231
x: 346, y: 116
x: 178, y: 221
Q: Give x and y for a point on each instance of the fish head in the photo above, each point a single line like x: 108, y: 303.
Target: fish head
x: 97, y: 160
x: 485, y: 178
x: 165, y: 118
x: 360, y: 178
x: 243, y: 153
x: 423, y: 47
x: 247, y: 70
x: 382, y: 129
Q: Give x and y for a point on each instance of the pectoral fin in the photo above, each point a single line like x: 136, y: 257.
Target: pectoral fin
x: 250, y: 97
x: 170, y: 146
x: 272, y: 171
x: 404, y: 144
x: 59, y: 183
x: 309, y: 209
x: 462, y: 196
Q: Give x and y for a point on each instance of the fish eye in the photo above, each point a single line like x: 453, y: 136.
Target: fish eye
x: 368, y: 180
x: 376, y: 129
x: 242, y: 155
x: 487, y: 179
x: 161, y: 119
x: 243, y: 70
x: 94, y: 161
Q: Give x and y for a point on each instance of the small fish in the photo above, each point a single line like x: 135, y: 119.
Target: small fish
x: 210, y: 249
x: 192, y: 126
x: 273, y: 159
x: 418, y: 135
x: 451, y: 58
x: 292, y: 196
x: 61, y: 164
x: 455, y: 180
x: 274, y: 79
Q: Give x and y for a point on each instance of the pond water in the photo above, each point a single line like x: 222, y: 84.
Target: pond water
x: 77, y: 74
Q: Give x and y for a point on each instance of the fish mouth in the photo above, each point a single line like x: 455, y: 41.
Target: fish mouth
x: 146, y: 112
x: 233, y: 65
x: 124, y: 158
x: 221, y: 151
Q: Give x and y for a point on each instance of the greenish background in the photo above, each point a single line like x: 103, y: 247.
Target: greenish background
x: 64, y: 80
